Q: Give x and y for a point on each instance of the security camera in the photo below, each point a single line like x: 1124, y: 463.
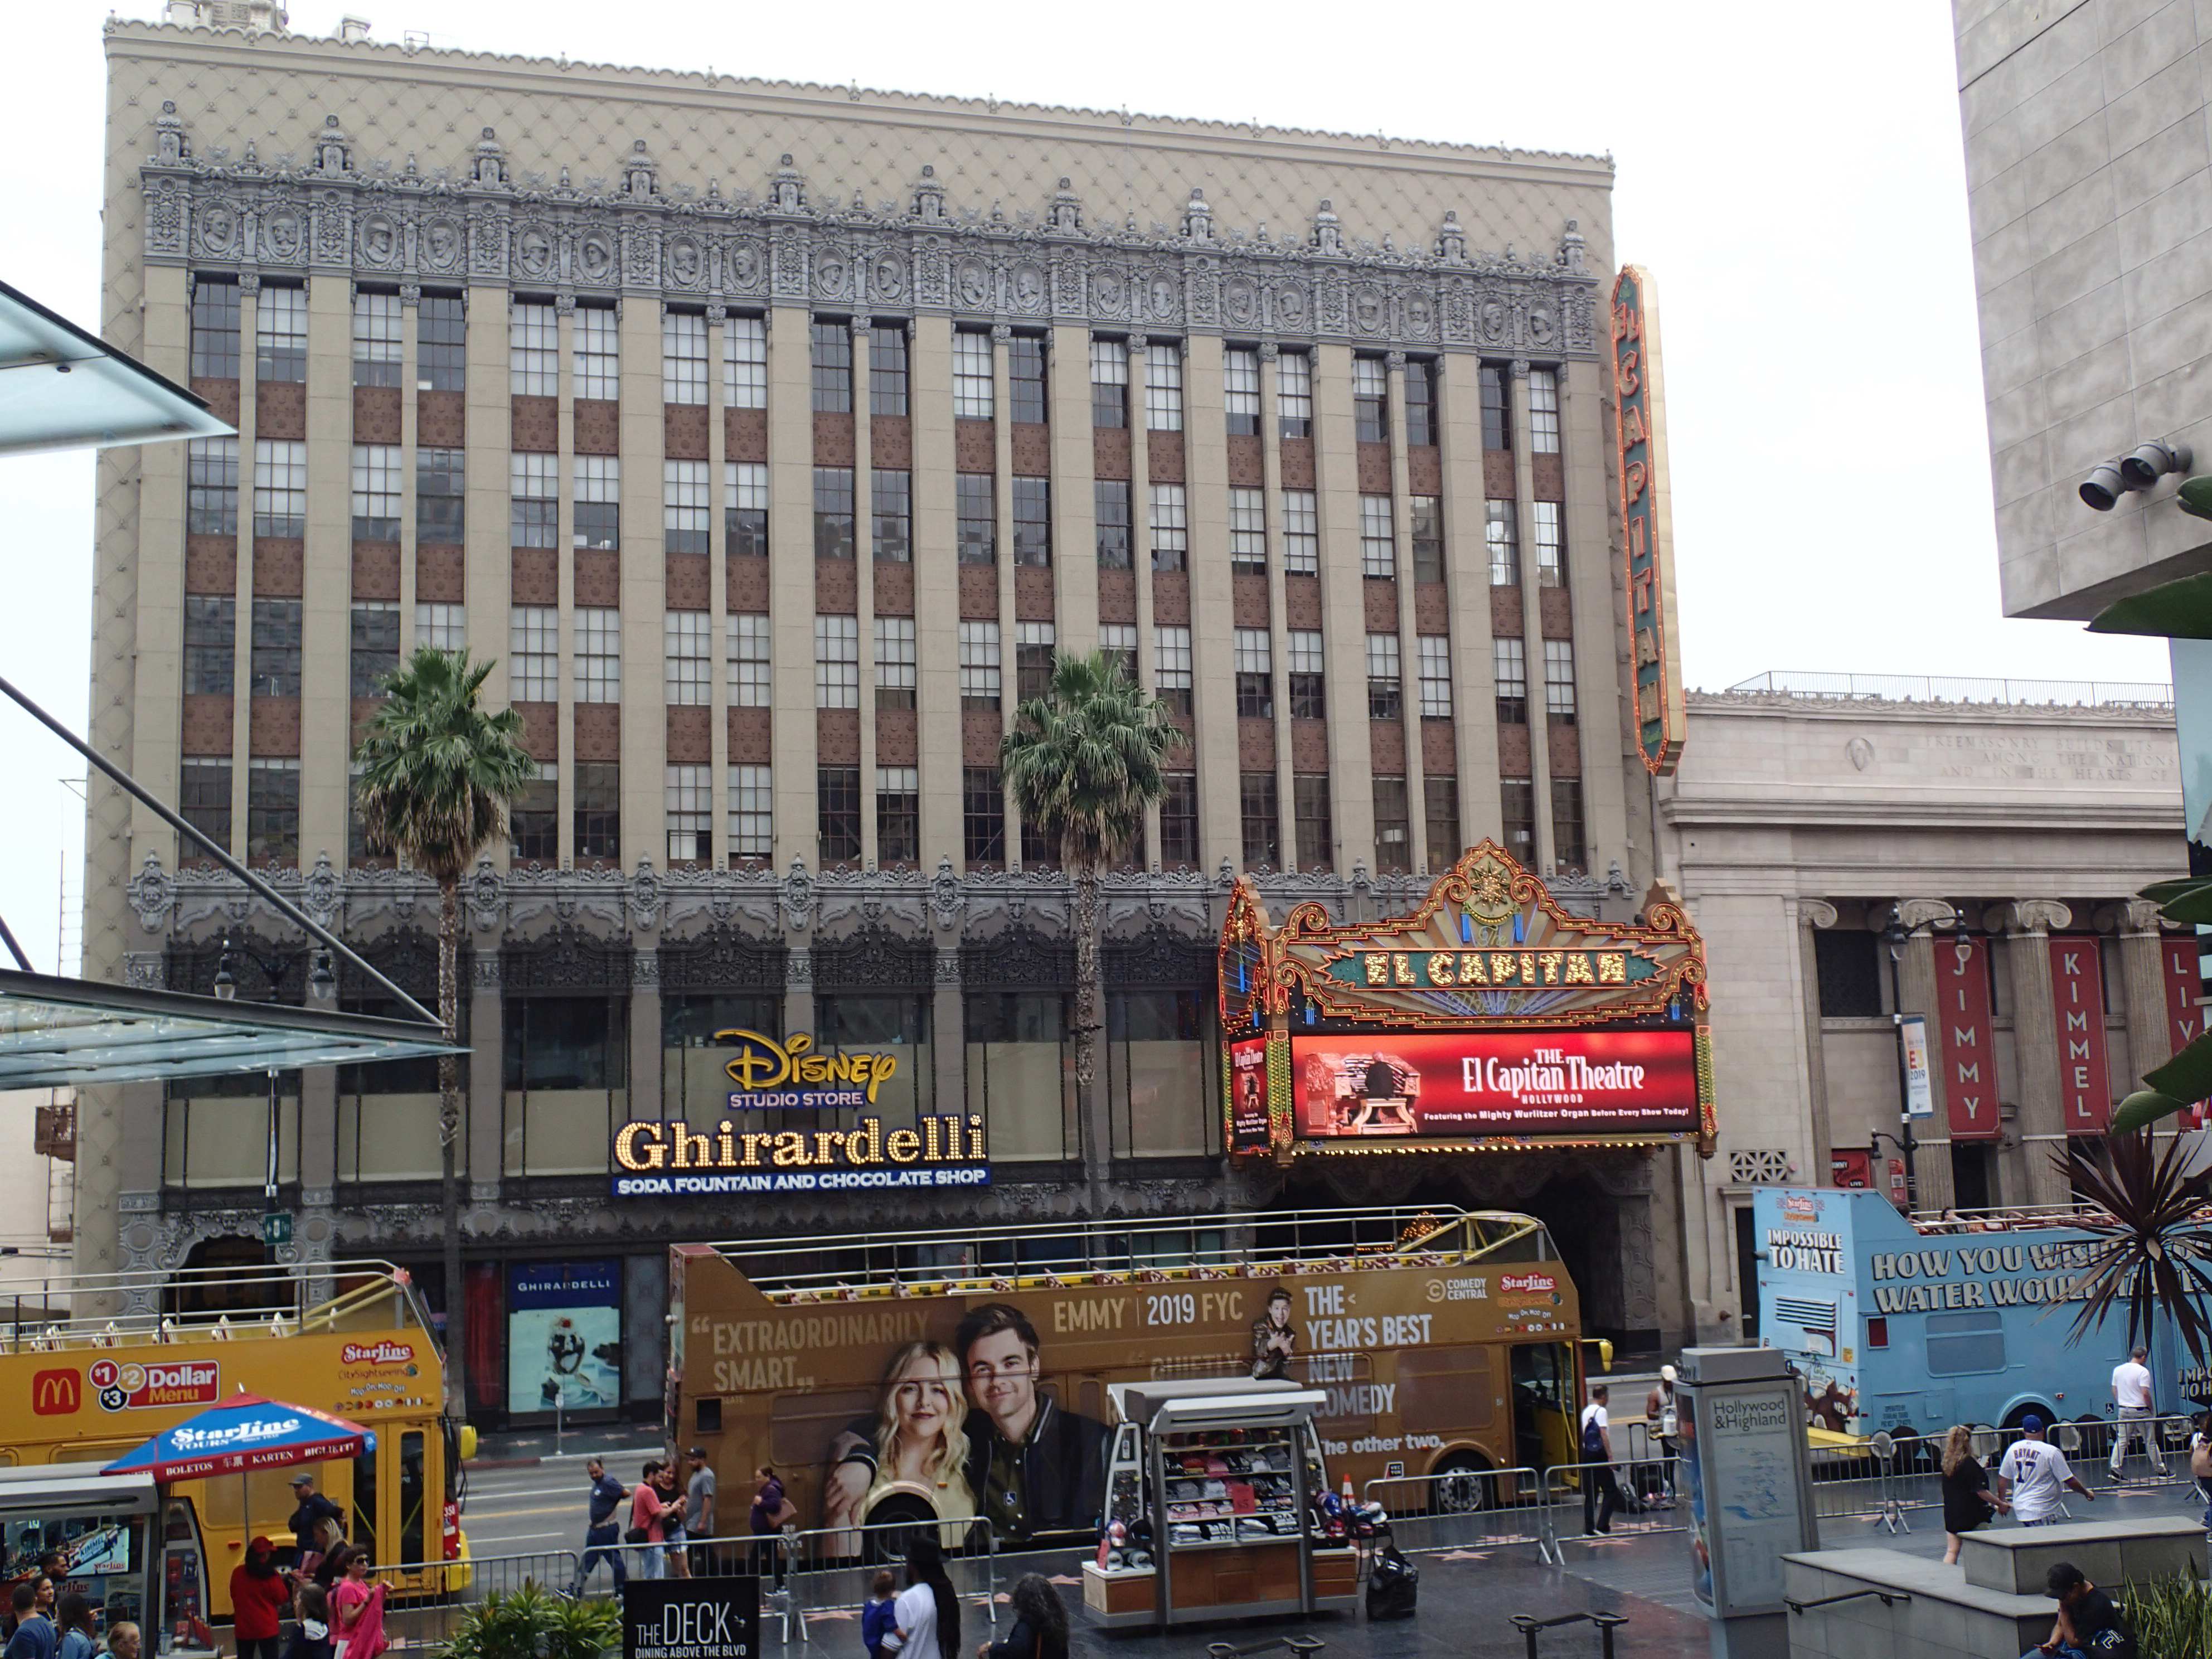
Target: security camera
x: 2148, y: 463
x: 2102, y: 488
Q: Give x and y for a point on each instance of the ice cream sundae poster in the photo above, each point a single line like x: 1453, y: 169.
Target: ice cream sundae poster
x: 564, y: 1336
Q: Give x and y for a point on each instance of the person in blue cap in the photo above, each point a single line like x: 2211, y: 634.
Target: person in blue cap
x: 2035, y: 1476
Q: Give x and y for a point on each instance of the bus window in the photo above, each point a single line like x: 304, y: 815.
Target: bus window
x: 93, y: 1451
x: 410, y: 1496
x: 1961, y: 1342
x: 1445, y: 1390
x: 365, y: 1471
x: 232, y: 1515
x: 1543, y: 1414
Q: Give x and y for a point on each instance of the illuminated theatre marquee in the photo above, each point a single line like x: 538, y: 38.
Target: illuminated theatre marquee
x: 1488, y: 1020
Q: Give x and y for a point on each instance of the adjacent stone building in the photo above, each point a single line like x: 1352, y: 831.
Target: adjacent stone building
x: 771, y: 437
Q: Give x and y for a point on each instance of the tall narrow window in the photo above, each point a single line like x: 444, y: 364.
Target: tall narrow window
x: 895, y: 662
x: 1025, y: 379
x: 211, y: 644
x: 598, y: 654
x: 745, y: 509
x: 1420, y: 401
x: 1568, y: 850
x: 441, y: 496
x: 1110, y: 514
x: 1501, y: 536
x: 203, y: 802
x: 1544, y: 412
x: 1163, y: 387
x: 1034, y: 645
x: 214, y: 349
x: 689, y: 800
x: 441, y: 344
x: 1316, y: 833
x: 597, y: 514
x: 898, y: 815
x: 374, y: 656
x: 1441, y: 798
x: 274, y: 659
x: 533, y: 349
x: 1171, y: 669
x: 745, y: 363
x: 830, y: 345
x: 376, y: 341
x: 441, y: 626
x: 1370, y: 400
x: 752, y: 812
x: 597, y: 828
x: 1255, y: 673
x: 1436, y: 676
x: 751, y: 668
x: 280, y: 488
x: 833, y: 512
x: 685, y: 514
x: 1394, y: 828
x: 1497, y: 413
x: 1032, y: 521
x: 1179, y: 820
x: 272, y: 811
x: 533, y: 507
x: 1117, y: 642
x: 971, y: 375
x: 211, y: 487
x: 376, y: 492
x: 1294, y: 394
x: 982, y: 815
x: 683, y: 358
x: 1385, y: 686
x: 1171, y: 527
x: 533, y: 653
x: 976, y: 525
x: 1261, y: 817
x: 280, y: 333
x: 836, y: 662
x: 687, y: 669
x: 533, y: 822
x: 887, y: 369
x: 1378, y: 538
x: 1248, y: 530
x: 1551, y: 544
x: 598, y: 353
x: 1426, y: 516
x: 1301, y: 533
x: 979, y: 665
x: 891, y: 530
x: 1109, y: 384
x: 1309, y: 673
x: 1240, y: 391
x: 1559, y: 681
x: 1510, y: 666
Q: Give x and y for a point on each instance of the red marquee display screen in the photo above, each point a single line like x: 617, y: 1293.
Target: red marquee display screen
x: 1508, y: 1083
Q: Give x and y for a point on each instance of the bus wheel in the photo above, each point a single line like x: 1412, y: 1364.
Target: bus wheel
x: 1463, y: 1484
x: 902, y: 1517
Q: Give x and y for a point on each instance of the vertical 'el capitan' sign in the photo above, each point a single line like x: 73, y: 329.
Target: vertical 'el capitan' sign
x: 1647, y: 525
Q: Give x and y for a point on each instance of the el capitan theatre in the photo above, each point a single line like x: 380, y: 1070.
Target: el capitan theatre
x: 1489, y: 1021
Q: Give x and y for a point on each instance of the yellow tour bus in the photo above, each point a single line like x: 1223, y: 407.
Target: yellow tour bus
x: 82, y: 1384
x: 945, y: 1378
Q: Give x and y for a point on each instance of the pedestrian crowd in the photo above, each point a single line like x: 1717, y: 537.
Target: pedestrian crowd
x: 668, y: 1529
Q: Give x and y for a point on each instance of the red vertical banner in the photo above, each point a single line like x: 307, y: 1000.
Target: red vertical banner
x: 2077, y: 990
x: 2183, y: 989
x: 1967, y: 1037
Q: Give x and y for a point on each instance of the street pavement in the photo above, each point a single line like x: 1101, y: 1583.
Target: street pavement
x: 526, y: 1497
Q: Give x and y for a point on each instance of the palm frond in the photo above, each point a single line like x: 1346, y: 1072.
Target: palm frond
x: 1085, y: 759
x: 437, y: 769
x: 2153, y: 1255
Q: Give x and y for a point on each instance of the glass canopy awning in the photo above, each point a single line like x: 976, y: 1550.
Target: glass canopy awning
x: 62, y: 388
x: 63, y: 1033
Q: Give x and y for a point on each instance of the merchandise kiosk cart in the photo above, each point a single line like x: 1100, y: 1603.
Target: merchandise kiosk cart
x: 1210, y: 1489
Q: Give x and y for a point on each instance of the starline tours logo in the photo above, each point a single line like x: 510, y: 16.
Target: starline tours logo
x: 1528, y: 1283
x: 136, y: 1387
x: 377, y: 1353
x: 1800, y: 1206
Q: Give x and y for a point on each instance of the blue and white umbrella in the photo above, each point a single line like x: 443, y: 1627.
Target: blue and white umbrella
x: 244, y: 1433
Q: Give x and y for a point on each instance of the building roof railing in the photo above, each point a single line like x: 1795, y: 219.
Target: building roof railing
x: 1954, y: 688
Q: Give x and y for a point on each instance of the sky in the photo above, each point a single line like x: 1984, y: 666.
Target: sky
x: 1793, y: 181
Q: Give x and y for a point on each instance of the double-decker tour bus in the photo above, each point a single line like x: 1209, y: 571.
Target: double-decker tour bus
x: 1910, y: 1324
x: 79, y: 1386
x: 947, y: 1376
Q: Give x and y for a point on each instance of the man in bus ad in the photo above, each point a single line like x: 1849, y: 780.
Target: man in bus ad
x: 1035, y: 1466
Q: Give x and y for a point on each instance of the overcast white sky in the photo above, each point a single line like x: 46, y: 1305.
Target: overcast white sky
x: 1792, y: 177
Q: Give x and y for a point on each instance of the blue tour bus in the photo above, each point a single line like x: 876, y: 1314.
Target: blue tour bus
x: 1911, y: 1328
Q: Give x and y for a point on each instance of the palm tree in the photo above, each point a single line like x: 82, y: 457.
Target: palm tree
x: 2151, y: 1254
x: 1081, y: 765
x: 437, y: 772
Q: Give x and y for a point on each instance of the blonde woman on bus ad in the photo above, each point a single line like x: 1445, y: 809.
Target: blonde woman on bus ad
x: 915, y: 1442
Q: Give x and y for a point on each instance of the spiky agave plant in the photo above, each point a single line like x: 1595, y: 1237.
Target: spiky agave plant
x: 2153, y: 1253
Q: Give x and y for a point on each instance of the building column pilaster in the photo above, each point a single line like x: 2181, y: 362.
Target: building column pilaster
x: 2027, y: 925
x: 2143, y: 978
x: 948, y: 1034
x: 1813, y: 915
x: 1542, y: 847
x: 483, y: 1112
x: 644, y: 1033
x: 798, y: 988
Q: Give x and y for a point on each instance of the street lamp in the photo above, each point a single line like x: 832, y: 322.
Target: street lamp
x: 1893, y: 935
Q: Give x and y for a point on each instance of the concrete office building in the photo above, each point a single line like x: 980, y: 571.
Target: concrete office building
x: 772, y: 438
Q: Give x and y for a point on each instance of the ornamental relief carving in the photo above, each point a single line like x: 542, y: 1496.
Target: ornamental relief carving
x: 480, y: 219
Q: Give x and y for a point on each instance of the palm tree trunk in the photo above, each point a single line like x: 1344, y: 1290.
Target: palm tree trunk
x: 449, y: 1139
x: 1088, y: 1009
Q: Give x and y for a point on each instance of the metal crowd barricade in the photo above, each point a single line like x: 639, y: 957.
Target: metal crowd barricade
x: 829, y: 1570
x: 1491, y: 1509
x: 426, y: 1618
x: 1568, y: 1487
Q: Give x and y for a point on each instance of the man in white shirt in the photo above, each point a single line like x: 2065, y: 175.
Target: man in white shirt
x: 2134, y: 1407
x: 2034, y: 1475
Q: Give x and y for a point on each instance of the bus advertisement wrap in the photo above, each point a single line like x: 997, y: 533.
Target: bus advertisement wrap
x: 1501, y: 1082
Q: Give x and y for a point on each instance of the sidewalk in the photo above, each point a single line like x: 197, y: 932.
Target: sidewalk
x: 519, y: 1449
